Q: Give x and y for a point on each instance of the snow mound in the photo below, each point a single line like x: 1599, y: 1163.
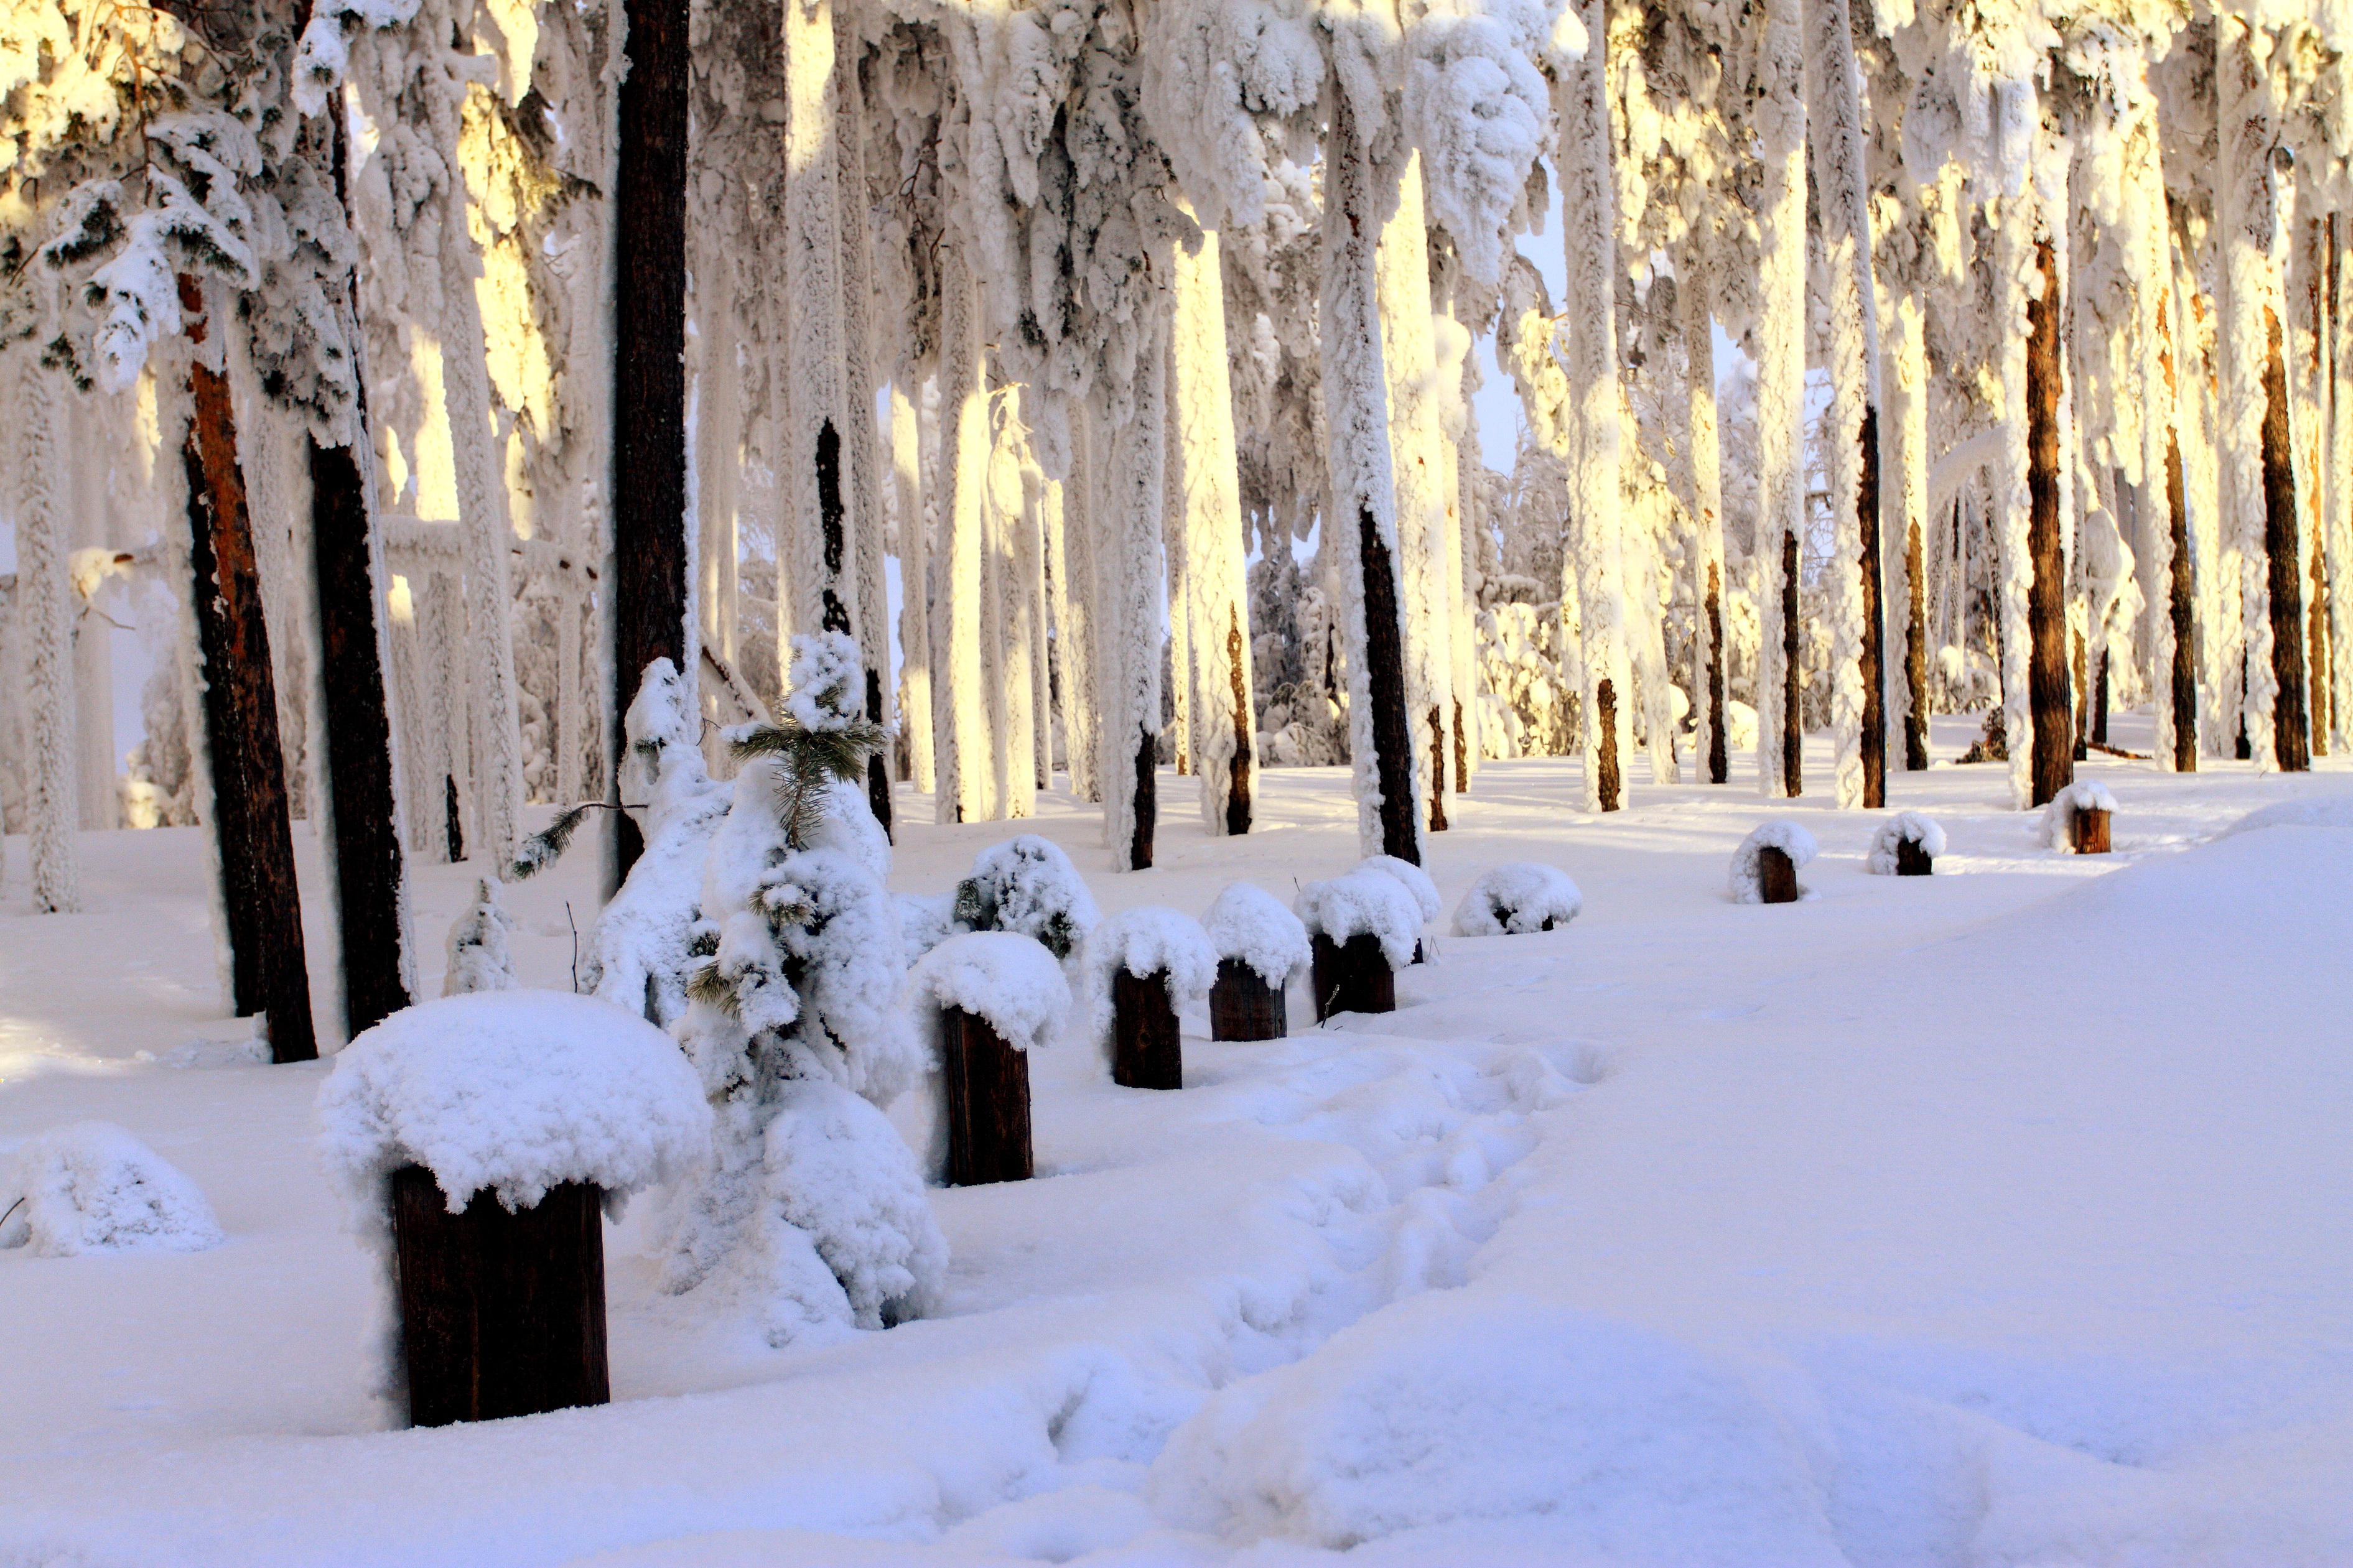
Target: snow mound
x: 840, y: 1172
x: 1904, y: 827
x: 1250, y: 924
x: 89, y: 1186
x: 1006, y: 978
x: 1788, y: 838
x: 1146, y: 940
x: 1027, y: 885
x: 512, y: 1091
x: 1511, y: 900
x: 1364, y: 901
x: 1443, y: 1410
x: 2057, y: 830
x: 2329, y: 811
x: 1417, y: 881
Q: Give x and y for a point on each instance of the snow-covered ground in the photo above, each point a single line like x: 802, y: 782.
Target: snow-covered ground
x: 1997, y: 1217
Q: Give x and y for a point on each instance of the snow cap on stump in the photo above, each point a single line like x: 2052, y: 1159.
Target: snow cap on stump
x: 1412, y: 878
x: 2057, y: 830
x: 89, y: 1186
x: 1904, y: 827
x: 1145, y: 941
x: 1788, y: 838
x: 511, y: 1092
x: 1250, y: 924
x: 1366, y: 901
x: 1008, y: 980
x: 1523, y: 897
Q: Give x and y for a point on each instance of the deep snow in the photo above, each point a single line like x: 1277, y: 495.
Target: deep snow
x: 1993, y: 1217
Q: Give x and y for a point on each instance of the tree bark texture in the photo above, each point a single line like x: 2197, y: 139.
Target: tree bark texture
x: 649, y: 521
x: 260, y: 897
x: 1793, y: 726
x: 1146, y: 1050
x: 987, y: 1103
x: 1875, y: 621
x: 2291, y: 737
x: 1245, y: 1005
x: 501, y: 1312
x: 2053, y: 701
x: 362, y: 815
x: 1776, y: 876
x: 1351, y: 976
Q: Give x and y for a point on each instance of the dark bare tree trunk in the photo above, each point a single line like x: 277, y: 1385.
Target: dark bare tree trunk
x: 1875, y: 621
x: 1793, y: 729
x: 1916, y: 654
x: 2181, y: 591
x: 1351, y: 976
x: 988, y: 1084
x: 2051, y: 701
x: 1385, y: 669
x: 1776, y: 876
x: 360, y: 809
x: 1719, y: 766
x: 650, y: 586
x: 1244, y: 1006
x: 1147, y: 1052
x: 1238, y: 789
x: 502, y: 1310
x: 1147, y: 806
x: 1437, y: 769
x: 260, y: 897
x: 2291, y: 738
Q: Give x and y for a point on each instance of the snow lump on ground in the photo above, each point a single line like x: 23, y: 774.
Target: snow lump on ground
x: 90, y: 1186
x: 1511, y: 900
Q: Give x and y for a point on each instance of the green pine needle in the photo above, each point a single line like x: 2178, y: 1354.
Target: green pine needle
x: 544, y: 848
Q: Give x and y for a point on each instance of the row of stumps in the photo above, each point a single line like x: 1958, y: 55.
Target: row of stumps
x: 1776, y: 874
x: 988, y: 1080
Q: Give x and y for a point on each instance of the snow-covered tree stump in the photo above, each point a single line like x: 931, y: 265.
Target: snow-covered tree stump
x: 1244, y: 1007
x: 2089, y: 831
x: 1259, y: 946
x: 1141, y: 965
x: 502, y: 1310
x: 1776, y: 876
x: 1362, y: 928
x: 988, y: 1084
x: 1906, y: 845
x: 2076, y: 820
x: 1765, y: 867
x: 477, y: 1139
x: 1147, y: 1051
x: 1912, y: 860
x: 1416, y: 882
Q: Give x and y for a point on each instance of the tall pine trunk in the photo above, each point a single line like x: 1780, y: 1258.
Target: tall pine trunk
x: 960, y: 722
x: 1078, y: 615
x: 2337, y: 327
x: 1703, y: 444
x: 2049, y: 683
x: 2291, y: 735
x: 45, y: 598
x: 914, y: 586
x: 1908, y: 402
x: 648, y: 574
x: 261, y: 900
x: 860, y: 439
x: 1781, y: 388
x: 2177, y: 671
x: 1135, y: 496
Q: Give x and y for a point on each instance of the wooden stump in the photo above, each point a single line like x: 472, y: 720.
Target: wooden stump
x: 1912, y: 860
x: 1244, y: 1007
x: 1147, y: 1052
x: 2088, y: 829
x: 1353, y: 976
x: 988, y: 1104
x: 501, y: 1312
x: 1776, y: 876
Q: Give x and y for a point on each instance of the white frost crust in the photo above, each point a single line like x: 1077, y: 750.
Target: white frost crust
x: 1788, y: 838
x: 1511, y: 900
x: 925, y: 920
x: 2329, y: 811
x: 1904, y: 827
x: 1146, y: 939
x: 2057, y: 829
x: 90, y: 1186
x: 1006, y: 978
x: 1413, y: 878
x: 1249, y: 923
x: 513, y: 1092
x: 1364, y: 901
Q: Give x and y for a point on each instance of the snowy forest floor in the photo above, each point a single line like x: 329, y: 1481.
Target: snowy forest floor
x: 1997, y: 1217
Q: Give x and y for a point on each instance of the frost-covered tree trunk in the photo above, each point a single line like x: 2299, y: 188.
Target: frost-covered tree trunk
x: 2308, y: 380
x: 2339, y: 328
x: 2196, y: 416
x: 1907, y: 391
x: 1702, y: 446
x: 814, y: 452
x: 1594, y: 570
x: 1216, y: 603
x: 914, y: 588
x: 1042, y: 531
x: 861, y: 442
x: 2258, y: 484
x: 1014, y: 593
x: 1133, y: 495
x: 1364, y: 493
x: 649, y: 570
x: 1178, y: 603
x: 45, y: 622
x: 1780, y: 337
x: 482, y: 513
x: 2173, y: 650
x: 1078, y: 616
x: 960, y: 718
x: 1851, y: 428
x: 260, y: 899
x: 1408, y: 359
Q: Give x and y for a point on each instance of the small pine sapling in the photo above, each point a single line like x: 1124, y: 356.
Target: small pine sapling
x: 479, y: 959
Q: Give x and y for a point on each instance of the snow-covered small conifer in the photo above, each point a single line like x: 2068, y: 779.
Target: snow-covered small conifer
x: 1249, y: 924
x: 2057, y: 829
x: 90, y: 1186
x: 1526, y: 896
x: 1146, y: 939
x: 479, y: 960
x: 1364, y: 902
x: 1904, y: 827
x: 1027, y: 885
x: 1788, y: 838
